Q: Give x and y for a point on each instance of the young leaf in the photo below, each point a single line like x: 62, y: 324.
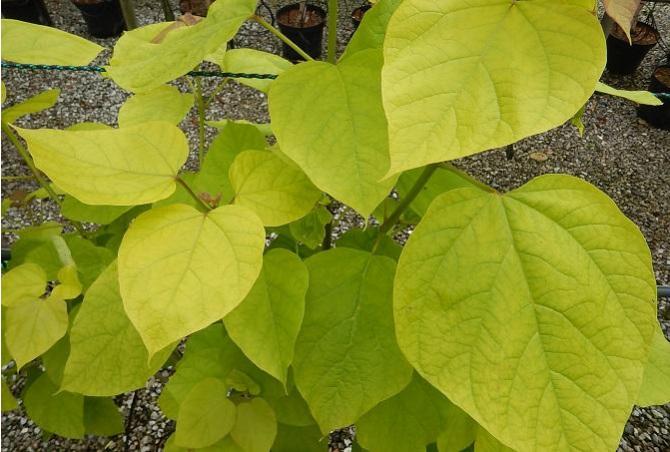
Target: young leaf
x: 23, y: 42
x: 69, y: 286
x: 33, y: 326
x: 164, y: 103
x: 251, y: 61
x: 338, y: 133
x: 140, y: 65
x: 37, y: 103
x: 640, y: 97
x: 181, y: 269
x: 273, y: 187
x: 275, y: 307
x: 255, y: 427
x: 424, y: 411
x: 205, y: 416
x: 102, y: 417
x: 120, y: 167
x: 61, y: 413
x: 26, y: 282
x: 310, y: 229
x: 462, y: 77
x: 107, y: 356
x: 655, y: 389
x: 346, y: 358
x: 548, y: 296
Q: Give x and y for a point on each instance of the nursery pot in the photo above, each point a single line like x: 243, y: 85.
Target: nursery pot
x: 305, y: 30
x: 658, y: 117
x: 357, y: 15
x: 104, y: 18
x: 623, y: 58
x: 26, y: 10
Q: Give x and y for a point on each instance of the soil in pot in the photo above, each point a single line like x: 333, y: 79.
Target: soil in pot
x: 26, y: 10
x: 357, y: 15
x: 195, y: 7
x: 304, y: 26
x: 103, y: 18
x: 659, y: 116
x: 623, y: 58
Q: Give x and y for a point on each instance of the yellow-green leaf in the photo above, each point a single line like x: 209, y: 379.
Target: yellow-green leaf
x: 102, y: 417
x: 8, y: 400
x: 372, y: 29
x: 23, y: 42
x: 139, y: 65
x: 275, y: 306
x: 120, y: 167
x: 463, y: 76
x: 33, y: 326
x: 26, y: 282
x: 273, y: 187
x: 107, y: 355
x: 532, y: 311
x: 164, y: 103
x: 485, y: 442
x: 69, y: 286
x: 346, y: 357
x: 329, y: 120
x: 310, y: 229
x: 181, y: 269
x: 57, y: 412
x: 205, y: 416
x: 640, y: 97
x: 37, y: 103
x: 74, y: 209
x: 251, y: 61
x: 655, y: 388
x: 302, y: 439
x: 255, y: 427
x: 459, y: 431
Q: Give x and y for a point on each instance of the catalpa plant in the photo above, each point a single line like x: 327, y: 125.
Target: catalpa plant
x: 509, y: 321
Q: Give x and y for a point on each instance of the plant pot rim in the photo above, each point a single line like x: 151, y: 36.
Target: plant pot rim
x: 649, y: 27
x: 363, y: 8
x: 287, y: 8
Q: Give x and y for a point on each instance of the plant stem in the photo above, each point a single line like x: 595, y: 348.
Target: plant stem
x: 281, y: 36
x: 167, y: 10
x: 407, y: 200
x: 216, y: 91
x: 332, y: 31
x: 328, y: 237
x: 22, y: 177
x: 129, y: 421
x: 190, y: 191
x: 25, y: 155
x: 200, y: 102
x: 128, y: 10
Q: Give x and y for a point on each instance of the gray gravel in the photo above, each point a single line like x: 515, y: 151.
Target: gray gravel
x: 619, y: 153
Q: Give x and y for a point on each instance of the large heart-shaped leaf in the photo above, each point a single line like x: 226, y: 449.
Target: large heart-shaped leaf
x: 532, y: 311
x: 465, y: 76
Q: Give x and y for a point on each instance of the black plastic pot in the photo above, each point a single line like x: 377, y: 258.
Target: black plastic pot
x: 104, y: 18
x: 26, y: 10
x: 308, y: 38
x: 623, y: 58
x: 357, y: 15
x: 658, y: 117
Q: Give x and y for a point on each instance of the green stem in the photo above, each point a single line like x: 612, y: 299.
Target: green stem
x: 200, y: 102
x: 25, y: 155
x: 190, y: 191
x: 216, y: 91
x: 281, y: 36
x: 128, y: 10
x: 332, y: 31
x: 167, y: 10
x: 477, y: 183
x: 407, y: 200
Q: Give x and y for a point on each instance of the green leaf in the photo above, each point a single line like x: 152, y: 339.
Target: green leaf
x: 102, y: 417
x: 33, y: 326
x: 73, y: 209
x: 329, y: 120
x: 120, y: 167
x: 36, y: 245
x: 241, y: 382
x: 578, y: 121
x: 462, y: 77
x: 547, y: 294
x: 275, y: 307
x: 69, y: 286
x: 140, y: 65
x: 485, y: 442
x: 407, y: 422
x: 107, y: 355
x: 88, y: 125
x: 26, y: 282
x: 273, y: 187
x: 346, y: 358
x: 8, y: 400
x: 225, y: 445
x: 311, y: 228
x: 55, y: 358
x: 655, y: 389
x: 459, y: 432
x: 180, y: 270
x: 205, y: 416
x: 24, y: 42
x: 368, y: 240
x: 37, y: 103
x: 251, y: 61
x: 61, y: 413
x: 640, y: 97
x: 264, y: 128
x: 291, y: 408
x: 302, y: 439
x: 255, y: 427
x: 91, y: 260
x: 164, y: 103
x: 372, y: 29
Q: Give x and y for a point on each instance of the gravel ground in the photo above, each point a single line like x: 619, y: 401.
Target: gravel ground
x: 619, y: 153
